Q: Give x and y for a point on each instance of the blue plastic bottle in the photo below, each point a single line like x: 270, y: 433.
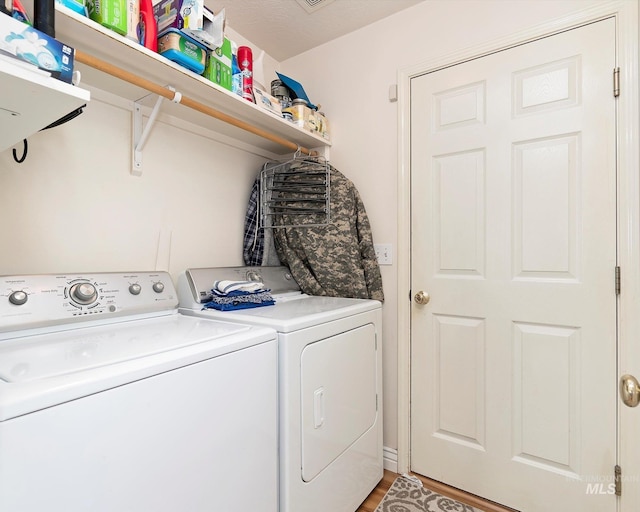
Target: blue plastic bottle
x: 236, y: 74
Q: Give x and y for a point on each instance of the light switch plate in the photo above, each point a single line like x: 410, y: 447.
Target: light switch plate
x: 384, y: 253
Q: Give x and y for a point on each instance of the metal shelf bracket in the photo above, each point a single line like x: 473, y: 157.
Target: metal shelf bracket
x: 140, y: 133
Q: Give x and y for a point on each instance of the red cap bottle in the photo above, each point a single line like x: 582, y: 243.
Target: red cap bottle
x: 245, y: 63
x: 149, y: 37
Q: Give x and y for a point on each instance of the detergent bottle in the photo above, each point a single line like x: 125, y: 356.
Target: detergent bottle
x: 148, y: 35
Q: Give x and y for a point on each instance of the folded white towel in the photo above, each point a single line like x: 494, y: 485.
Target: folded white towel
x: 241, y: 286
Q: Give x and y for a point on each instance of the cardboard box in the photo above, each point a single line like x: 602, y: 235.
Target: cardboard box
x: 322, y: 125
x: 112, y: 14
x: 212, y: 33
x: 309, y: 119
x: 133, y: 20
x: 179, y: 14
x: 218, y: 67
x: 266, y: 101
x: 302, y: 116
x: 24, y: 42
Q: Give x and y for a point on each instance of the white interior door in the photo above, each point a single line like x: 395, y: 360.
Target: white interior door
x: 513, y: 363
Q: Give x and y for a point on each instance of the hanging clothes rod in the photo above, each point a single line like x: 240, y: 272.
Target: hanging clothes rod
x: 160, y: 90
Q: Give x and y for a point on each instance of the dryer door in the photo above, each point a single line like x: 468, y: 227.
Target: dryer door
x: 339, y: 402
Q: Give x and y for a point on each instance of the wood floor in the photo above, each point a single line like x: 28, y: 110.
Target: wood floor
x: 370, y: 504
x: 372, y: 501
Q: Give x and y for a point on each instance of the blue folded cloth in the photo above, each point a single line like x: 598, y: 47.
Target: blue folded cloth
x: 231, y: 295
x: 225, y: 287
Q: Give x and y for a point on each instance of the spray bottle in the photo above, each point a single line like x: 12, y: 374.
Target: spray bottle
x: 245, y: 63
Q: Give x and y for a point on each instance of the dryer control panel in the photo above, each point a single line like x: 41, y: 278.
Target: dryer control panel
x: 196, y: 283
x: 42, y: 300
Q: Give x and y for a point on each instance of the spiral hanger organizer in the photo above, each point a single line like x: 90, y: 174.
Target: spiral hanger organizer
x: 296, y: 193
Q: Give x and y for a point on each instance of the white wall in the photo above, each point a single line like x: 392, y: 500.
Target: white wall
x: 350, y: 77
x: 73, y: 205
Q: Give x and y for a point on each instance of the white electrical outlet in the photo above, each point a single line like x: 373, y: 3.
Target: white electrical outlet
x: 383, y: 253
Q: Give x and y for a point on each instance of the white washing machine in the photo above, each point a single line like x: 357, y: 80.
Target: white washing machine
x: 111, y: 401
x: 330, y: 382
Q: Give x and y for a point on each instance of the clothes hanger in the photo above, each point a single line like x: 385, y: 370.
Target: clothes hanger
x: 293, y: 190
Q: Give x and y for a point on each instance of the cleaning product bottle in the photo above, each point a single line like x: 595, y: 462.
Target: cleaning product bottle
x: 245, y: 63
x: 19, y: 12
x: 149, y: 34
x: 236, y: 75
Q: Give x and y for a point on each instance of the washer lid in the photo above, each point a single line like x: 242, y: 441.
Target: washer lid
x: 47, y: 370
x: 48, y: 355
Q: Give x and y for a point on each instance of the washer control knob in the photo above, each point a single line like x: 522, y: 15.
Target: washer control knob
x: 158, y: 287
x: 18, y: 298
x: 253, y: 275
x: 84, y: 293
x: 135, y: 289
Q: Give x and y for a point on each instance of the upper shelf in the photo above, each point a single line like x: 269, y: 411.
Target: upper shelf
x: 93, y: 39
x: 31, y: 99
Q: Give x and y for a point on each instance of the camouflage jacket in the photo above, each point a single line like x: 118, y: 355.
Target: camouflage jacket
x: 338, y: 259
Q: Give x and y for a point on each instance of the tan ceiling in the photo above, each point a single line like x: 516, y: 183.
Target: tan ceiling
x: 284, y: 28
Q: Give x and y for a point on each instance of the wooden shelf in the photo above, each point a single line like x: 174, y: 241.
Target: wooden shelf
x: 91, y: 38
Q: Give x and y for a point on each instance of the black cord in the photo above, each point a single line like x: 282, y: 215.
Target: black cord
x: 24, y: 152
x: 64, y: 119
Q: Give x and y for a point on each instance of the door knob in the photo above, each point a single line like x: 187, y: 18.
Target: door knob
x: 422, y: 298
x: 630, y: 390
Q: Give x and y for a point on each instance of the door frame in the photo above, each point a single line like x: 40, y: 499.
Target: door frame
x: 628, y: 119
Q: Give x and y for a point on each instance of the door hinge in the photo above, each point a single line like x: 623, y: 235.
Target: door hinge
x: 617, y: 280
x: 616, y: 82
x: 617, y: 472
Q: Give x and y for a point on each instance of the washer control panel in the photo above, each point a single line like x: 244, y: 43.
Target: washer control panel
x: 32, y: 301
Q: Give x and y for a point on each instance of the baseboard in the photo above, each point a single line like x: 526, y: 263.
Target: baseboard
x: 390, y: 459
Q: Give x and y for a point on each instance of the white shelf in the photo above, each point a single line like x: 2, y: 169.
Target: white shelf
x: 91, y: 38
x: 31, y: 100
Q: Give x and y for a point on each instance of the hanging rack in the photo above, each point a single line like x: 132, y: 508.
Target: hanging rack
x: 177, y: 97
x: 295, y: 193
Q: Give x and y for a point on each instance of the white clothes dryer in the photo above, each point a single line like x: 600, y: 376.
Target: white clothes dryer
x: 330, y: 385
x: 112, y: 401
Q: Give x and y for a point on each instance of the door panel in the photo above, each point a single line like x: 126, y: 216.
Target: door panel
x: 514, y: 238
x: 338, y: 396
